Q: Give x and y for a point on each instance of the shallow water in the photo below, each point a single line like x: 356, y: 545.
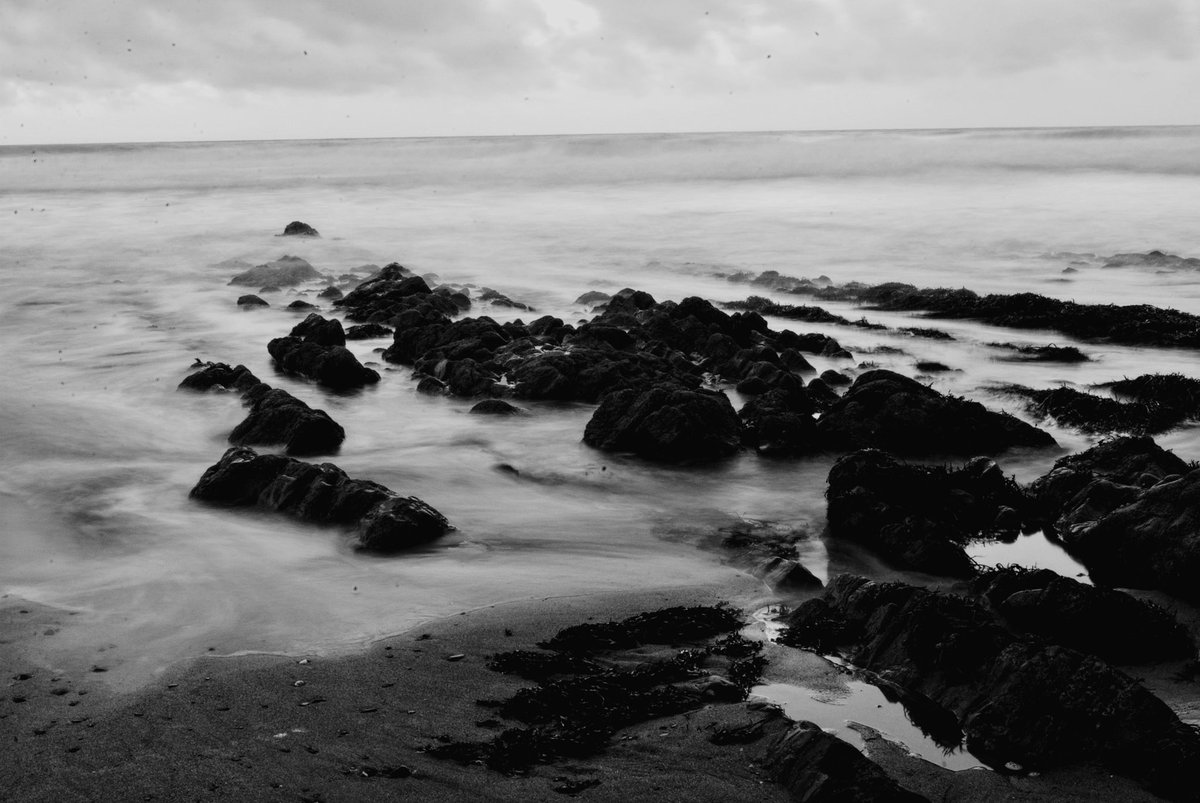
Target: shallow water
x: 114, y: 286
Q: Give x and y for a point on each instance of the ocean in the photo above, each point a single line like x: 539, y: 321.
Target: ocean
x: 116, y: 261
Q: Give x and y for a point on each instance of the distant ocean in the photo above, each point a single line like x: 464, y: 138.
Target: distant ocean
x: 115, y: 264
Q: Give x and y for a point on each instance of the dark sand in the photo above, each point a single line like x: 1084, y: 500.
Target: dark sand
x: 305, y: 727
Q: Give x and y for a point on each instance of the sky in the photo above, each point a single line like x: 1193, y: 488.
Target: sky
x: 150, y: 70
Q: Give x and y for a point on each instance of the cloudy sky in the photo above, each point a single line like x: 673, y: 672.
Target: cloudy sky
x: 136, y: 70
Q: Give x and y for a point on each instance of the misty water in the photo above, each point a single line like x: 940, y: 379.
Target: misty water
x: 116, y: 262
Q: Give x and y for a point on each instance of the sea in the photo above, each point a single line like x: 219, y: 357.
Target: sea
x: 116, y: 261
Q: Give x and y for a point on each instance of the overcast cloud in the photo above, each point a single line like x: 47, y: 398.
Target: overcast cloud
x: 388, y: 67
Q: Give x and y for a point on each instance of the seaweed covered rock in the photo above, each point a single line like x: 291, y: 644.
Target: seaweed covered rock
x: 1099, y: 414
x: 667, y: 423
x: 917, y: 516
x: 884, y: 410
x: 951, y: 651
x: 1081, y: 488
x: 283, y: 272
x: 383, y: 520
x: 333, y: 366
x: 817, y: 767
x: 278, y: 417
x: 1104, y: 622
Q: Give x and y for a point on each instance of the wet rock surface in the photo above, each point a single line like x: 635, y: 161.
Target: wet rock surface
x: 333, y: 366
x: 382, y: 520
x: 299, y: 229
x: 952, y: 652
x: 666, y: 423
x: 286, y: 271
x: 817, y: 767
x: 885, y: 410
x: 921, y: 517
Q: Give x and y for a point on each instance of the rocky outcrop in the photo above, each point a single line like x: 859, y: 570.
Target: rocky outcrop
x: 921, y: 517
x: 219, y: 376
x: 667, y: 423
x: 317, y: 329
x: 780, y: 422
x: 278, y: 417
x: 382, y: 520
x: 332, y: 366
x: 298, y: 229
x: 884, y: 410
x: 951, y: 652
x: 286, y: 271
x: 1106, y: 623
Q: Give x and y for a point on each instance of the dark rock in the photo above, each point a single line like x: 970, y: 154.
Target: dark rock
x: 321, y: 494
x: 278, y: 417
x: 250, y: 301
x: 1051, y: 353
x: 951, y: 652
x: 1106, y: 623
x: 296, y: 228
x: 764, y: 306
x: 888, y: 411
x: 317, y: 329
x: 496, y: 407
x: 835, y: 378
x: 221, y: 376
x: 628, y: 297
x: 588, y: 374
x: 1099, y: 414
x: 666, y: 422
x: 780, y: 422
x: 330, y: 292
x: 794, y: 361
x: 332, y: 366
x: 1152, y: 259
x: 1175, y: 392
x: 498, y: 299
x: 593, y: 297
x: 390, y: 292
x: 918, y: 516
x: 283, y: 272
x: 932, y: 367
x: 301, y: 305
x: 431, y: 387
x: 928, y: 334
x: 787, y: 575
x: 367, y: 331
x: 817, y: 767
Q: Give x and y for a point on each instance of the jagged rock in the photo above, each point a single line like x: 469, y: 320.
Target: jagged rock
x: 300, y: 305
x: 885, y: 410
x: 330, y: 292
x: 780, y: 422
x: 332, y: 366
x: 588, y: 374
x: 496, y: 407
x: 283, y: 272
x: 323, y: 332
x: 321, y: 494
x: 219, y: 375
x: 251, y: 301
x: 816, y: 767
x: 297, y: 228
x: 665, y: 422
x: 593, y: 297
x: 278, y: 417
x: 367, y: 331
x: 787, y: 575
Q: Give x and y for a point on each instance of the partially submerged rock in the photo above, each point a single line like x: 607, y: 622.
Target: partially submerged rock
x: 817, y: 767
x: 884, y: 410
x: 383, y: 521
x: 251, y: 301
x: 1089, y: 412
x: 921, y: 517
x: 299, y: 229
x: 667, y: 423
x: 333, y: 366
x: 278, y: 417
x: 1152, y: 259
x: 495, y: 407
x: 219, y: 375
x: 951, y: 652
x: 286, y: 271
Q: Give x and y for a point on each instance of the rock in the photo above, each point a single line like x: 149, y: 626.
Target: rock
x: 498, y: 299
x: 278, y: 417
x: 1099, y: 414
x: 1152, y: 259
x: 251, y: 301
x: 390, y: 292
x: 219, y: 375
x: 932, y: 367
x: 332, y: 366
x: 316, y: 329
x: 300, y: 305
x: 588, y: 374
x: 330, y: 292
x: 1109, y: 624
x: 286, y: 271
x: 592, y: 297
x: 667, y: 423
x: 496, y: 407
x: 918, y: 516
x: 787, y: 575
x: 367, y: 331
x: 321, y: 494
x: 431, y: 387
x: 298, y: 229
x: 1051, y: 353
x: 780, y: 422
x: 885, y: 410
x: 835, y: 379
x: 951, y: 652
x: 817, y: 767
